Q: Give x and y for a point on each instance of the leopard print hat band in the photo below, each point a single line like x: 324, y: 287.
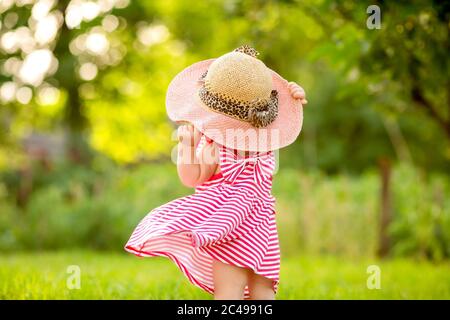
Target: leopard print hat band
x: 259, y: 112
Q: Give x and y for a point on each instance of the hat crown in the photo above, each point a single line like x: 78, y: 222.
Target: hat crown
x: 240, y: 77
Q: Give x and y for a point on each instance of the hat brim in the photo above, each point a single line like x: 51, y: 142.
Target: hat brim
x: 184, y: 105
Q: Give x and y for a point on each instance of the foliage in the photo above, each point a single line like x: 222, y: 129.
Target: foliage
x: 372, y: 93
x: 421, y: 206
x: 85, y: 141
x: 76, y: 207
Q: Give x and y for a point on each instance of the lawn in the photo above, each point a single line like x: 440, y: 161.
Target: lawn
x: 122, y: 276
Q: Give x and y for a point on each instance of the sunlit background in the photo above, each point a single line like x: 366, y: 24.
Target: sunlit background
x: 85, y: 142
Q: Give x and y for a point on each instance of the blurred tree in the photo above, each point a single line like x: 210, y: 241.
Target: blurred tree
x: 55, y: 55
x: 390, y: 83
x: 101, y: 68
x: 409, y: 57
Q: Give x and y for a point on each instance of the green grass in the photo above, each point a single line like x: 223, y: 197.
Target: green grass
x: 122, y: 276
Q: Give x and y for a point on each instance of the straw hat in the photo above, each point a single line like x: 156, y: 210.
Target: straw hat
x: 236, y: 101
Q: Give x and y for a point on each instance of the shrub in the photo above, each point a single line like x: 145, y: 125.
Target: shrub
x: 98, y: 207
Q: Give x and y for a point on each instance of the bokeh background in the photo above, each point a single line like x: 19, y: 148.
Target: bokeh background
x: 85, y: 143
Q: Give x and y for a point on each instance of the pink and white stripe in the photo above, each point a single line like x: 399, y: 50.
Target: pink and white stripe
x: 230, y: 218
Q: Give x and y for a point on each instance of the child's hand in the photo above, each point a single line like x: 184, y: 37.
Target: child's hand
x: 297, y: 92
x: 188, y: 135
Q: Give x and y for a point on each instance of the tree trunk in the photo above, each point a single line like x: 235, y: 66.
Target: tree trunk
x: 385, y: 208
x: 75, y: 121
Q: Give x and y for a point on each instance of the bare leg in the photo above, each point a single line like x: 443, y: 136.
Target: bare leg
x: 260, y: 287
x: 229, y: 281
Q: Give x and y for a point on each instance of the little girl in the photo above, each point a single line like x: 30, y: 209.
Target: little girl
x: 224, y: 236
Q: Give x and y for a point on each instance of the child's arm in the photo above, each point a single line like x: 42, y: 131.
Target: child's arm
x: 297, y: 92
x: 194, y: 170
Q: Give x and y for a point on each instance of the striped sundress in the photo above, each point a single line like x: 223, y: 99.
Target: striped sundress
x: 230, y: 218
